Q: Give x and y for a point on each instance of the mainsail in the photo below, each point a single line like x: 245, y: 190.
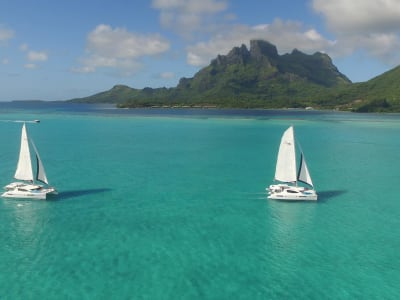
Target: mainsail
x: 24, y: 166
x: 286, y: 170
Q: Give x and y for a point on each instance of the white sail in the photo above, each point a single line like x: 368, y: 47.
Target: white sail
x: 304, y: 174
x: 40, y: 172
x: 24, y: 166
x: 286, y: 170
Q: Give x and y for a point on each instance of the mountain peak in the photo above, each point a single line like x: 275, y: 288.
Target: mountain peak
x: 238, y: 55
x: 260, y: 48
x: 261, y: 63
x: 260, y: 51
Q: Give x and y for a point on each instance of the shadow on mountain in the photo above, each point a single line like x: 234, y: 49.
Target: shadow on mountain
x: 324, y: 196
x: 77, y: 193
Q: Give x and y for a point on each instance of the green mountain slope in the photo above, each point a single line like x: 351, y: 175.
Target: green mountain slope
x: 260, y: 77
x: 118, y: 94
x: 380, y: 94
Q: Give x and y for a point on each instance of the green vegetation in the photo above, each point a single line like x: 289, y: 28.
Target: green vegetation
x: 261, y: 78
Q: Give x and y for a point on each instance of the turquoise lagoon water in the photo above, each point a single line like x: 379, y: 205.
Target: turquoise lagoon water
x: 171, y: 204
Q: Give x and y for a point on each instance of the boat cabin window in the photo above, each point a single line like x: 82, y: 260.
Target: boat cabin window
x: 291, y: 191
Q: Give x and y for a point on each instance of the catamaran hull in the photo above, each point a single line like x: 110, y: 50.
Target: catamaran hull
x: 291, y: 193
x: 27, y: 195
x: 17, y: 195
x: 20, y: 190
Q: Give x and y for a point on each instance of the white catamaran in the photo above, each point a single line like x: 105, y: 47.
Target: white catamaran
x: 289, y: 175
x: 26, y: 188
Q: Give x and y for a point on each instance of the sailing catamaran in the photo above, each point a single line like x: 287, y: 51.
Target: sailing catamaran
x: 26, y: 188
x: 289, y: 175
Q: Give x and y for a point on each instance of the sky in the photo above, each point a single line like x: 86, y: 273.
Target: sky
x: 59, y: 50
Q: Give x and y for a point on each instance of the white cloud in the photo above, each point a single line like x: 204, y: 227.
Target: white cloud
x: 191, y: 6
x: 120, y: 43
x: 360, y: 15
x: 83, y: 69
x: 120, y: 49
x: 189, y: 17
x: 33, y: 56
x: 285, y: 35
x: 30, y: 66
x: 24, y: 47
x: 37, y: 56
x: 6, y: 34
x: 370, y: 25
x: 167, y: 75
x: 5, y: 61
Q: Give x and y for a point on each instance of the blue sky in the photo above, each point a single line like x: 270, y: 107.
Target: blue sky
x: 58, y: 50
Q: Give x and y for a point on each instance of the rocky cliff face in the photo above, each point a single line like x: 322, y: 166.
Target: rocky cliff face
x: 260, y: 51
x: 262, y: 62
x: 238, y: 55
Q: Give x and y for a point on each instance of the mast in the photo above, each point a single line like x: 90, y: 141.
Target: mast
x: 24, y: 165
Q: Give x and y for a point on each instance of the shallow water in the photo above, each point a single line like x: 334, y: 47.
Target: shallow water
x: 171, y: 204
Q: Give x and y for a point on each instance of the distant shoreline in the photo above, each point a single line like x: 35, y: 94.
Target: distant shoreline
x: 191, y: 107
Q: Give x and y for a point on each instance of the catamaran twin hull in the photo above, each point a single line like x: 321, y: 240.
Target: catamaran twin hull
x: 288, y: 193
x: 20, y: 190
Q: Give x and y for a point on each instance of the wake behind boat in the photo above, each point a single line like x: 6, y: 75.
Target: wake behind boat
x: 289, y: 175
x: 26, y: 187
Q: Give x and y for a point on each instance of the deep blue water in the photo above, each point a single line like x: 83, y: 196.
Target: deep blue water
x: 171, y: 204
